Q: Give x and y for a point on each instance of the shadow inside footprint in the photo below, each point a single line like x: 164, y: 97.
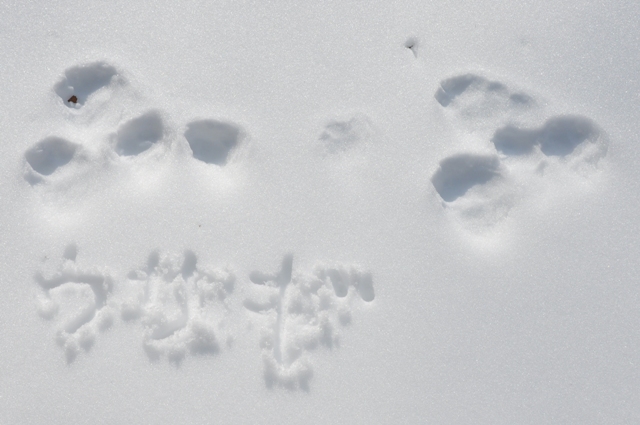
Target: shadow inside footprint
x: 459, y: 173
x: 521, y: 99
x: 561, y: 135
x: 49, y: 154
x: 212, y: 141
x: 512, y: 140
x: 364, y: 285
x: 455, y: 86
x: 451, y: 88
x: 139, y: 134
x: 81, y: 81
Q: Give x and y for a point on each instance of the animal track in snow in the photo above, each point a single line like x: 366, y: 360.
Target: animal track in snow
x: 481, y: 186
x: 459, y: 173
x: 559, y: 136
x: 139, y: 134
x: 79, y: 299
x: 304, y: 311
x: 47, y: 156
x: 480, y: 90
x: 345, y: 134
x: 212, y: 141
x: 412, y: 44
x: 182, y: 306
x: 82, y: 81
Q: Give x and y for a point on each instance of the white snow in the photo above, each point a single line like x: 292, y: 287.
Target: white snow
x: 331, y: 212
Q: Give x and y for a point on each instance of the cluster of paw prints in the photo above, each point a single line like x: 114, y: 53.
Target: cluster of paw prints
x: 483, y: 184
x: 186, y: 309
x: 211, y: 141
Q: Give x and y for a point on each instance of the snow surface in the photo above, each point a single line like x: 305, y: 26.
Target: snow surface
x: 331, y: 212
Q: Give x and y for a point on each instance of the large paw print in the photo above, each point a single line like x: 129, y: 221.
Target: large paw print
x: 79, y: 300
x: 303, y: 312
x: 481, y: 187
x: 182, y: 306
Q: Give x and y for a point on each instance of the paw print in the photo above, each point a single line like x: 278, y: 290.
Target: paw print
x: 514, y: 154
x: 83, y: 81
x: 96, y: 96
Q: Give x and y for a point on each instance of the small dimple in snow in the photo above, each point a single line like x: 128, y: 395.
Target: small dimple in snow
x: 212, y: 141
x: 412, y: 44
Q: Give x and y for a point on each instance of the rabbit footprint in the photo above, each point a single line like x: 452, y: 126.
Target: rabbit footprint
x: 481, y: 187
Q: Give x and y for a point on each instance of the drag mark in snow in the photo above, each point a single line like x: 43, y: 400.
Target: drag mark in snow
x: 304, y: 311
x: 182, y: 306
x: 80, y: 300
